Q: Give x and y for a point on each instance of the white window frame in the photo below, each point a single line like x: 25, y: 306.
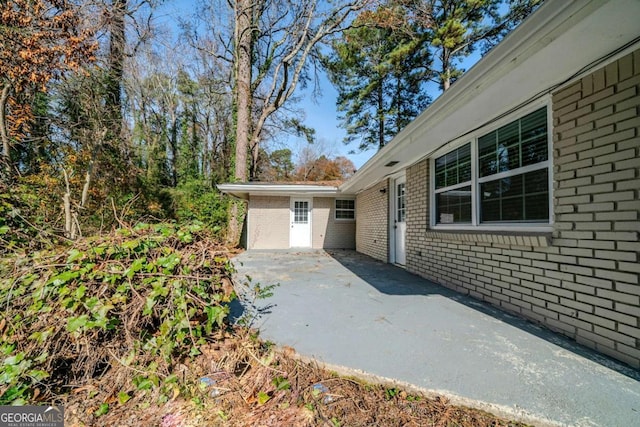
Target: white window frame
x: 475, y: 224
x: 454, y: 186
x: 335, y: 209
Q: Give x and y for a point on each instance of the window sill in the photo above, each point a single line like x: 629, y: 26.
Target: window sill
x: 531, y: 236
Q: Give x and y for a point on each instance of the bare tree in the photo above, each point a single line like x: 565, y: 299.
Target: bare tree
x: 275, y: 42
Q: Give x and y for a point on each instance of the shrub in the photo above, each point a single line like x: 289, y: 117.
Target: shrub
x: 196, y: 200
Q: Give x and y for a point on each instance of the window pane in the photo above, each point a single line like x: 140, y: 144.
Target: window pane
x: 454, y: 167
x: 454, y: 206
x: 520, y: 143
x: 535, y: 151
x: 345, y: 209
x: 345, y: 214
x: 509, y: 134
x: 517, y: 198
x: 510, y: 157
x: 534, y: 125
x: 345, y: 204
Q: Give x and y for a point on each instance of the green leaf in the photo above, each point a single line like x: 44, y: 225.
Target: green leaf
x: 131, y: 244
x: 142, y: 383
x: 4, y: 229
x: 281, y: 383
x: 42, y: 357
x: 263, y: 398
x: 7, y: 348
x: 74, y: 254
x: 148, y: 306
x: 13, y: 395
x: 141, y: 226
x: 14, y: 360
x: 185, y: 237
x: 63, y: 278
x: 82, y: 289
x: 91, y: 302
x: 102, y: 410
x: 136, y: 266
x: 75, y: 323
x: 123, y: 397
x: 29, y: 278
x: 213, y: 313
x: 195, y: 227
x: 41, y: 336
x: 37, y: 374
x: 169, y: 262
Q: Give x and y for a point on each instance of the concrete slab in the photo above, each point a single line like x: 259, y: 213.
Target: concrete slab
x: 346, y: 309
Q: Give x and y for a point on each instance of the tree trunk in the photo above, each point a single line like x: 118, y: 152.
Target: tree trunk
x: 117, y: 43
x: 87, y: 184
x: 446, y: 69
x: 6, y: 147
x: 380, y: 117
x: 446, y: 79
x: 173, y: 145
x: 255, y: 158
x: 243, y: 100
x: 69, y: 229
x: 244, y: 46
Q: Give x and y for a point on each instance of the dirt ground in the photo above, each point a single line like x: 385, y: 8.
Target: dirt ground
x: 241, y: 381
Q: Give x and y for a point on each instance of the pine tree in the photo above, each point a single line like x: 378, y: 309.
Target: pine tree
x: 378, y: 70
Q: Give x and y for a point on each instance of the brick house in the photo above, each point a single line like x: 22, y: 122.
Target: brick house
x: 520, y: 185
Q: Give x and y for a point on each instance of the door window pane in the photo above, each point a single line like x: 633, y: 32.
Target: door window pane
x: 301, y: 212
x: 400, y: 211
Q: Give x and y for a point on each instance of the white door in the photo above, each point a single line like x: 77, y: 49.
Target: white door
x: 300, y: 236
x: 399, y: 223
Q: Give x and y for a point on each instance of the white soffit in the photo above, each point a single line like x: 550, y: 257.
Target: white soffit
x: 243, y: 191
x: 549, y: 48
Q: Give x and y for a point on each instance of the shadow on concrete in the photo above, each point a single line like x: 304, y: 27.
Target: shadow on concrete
x: 393, y: 280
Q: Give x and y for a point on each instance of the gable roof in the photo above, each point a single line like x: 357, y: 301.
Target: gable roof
x: 556, y: 44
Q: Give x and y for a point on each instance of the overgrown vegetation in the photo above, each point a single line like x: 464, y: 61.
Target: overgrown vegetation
x: 134, y: 303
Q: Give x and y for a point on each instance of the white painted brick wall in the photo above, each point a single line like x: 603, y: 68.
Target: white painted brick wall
x: 268, y: 226
x: 372, y: 219
x: 329, y: 233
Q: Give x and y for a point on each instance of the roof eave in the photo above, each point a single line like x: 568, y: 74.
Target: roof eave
x: 244, y: 191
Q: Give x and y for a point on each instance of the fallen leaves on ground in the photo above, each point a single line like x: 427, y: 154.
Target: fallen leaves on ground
x: 241, y: 381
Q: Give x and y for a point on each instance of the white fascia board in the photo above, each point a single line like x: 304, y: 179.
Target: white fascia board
x: 548, y: 48
x: 244, y: 191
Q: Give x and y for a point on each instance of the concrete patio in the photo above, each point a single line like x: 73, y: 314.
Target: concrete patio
x: 346, y: 309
